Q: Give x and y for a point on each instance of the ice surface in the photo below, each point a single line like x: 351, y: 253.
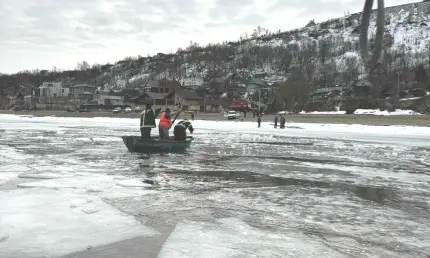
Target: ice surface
x: 303, y: 129
x: 6, y: 176
x: 44, y: 175
x: 42, y: 222
x: 85, y: 157
x: 132, y: 183
x: 108, y: 186
x: 233, y: 238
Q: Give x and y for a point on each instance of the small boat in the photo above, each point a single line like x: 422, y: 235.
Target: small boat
x: 155, y: 145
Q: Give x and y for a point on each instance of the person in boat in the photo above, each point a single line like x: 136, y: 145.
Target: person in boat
x: 180, y: 130
x: 165, y: 123
x: 147, y: 122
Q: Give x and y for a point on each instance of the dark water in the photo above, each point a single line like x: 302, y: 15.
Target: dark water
x: 235, y: 193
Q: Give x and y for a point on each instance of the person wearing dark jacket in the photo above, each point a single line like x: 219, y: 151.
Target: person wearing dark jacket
x: 259, y: 122
x: 147, y: 122
x: 180, y: 130
x: 282, y: 122
x: 276, y: 121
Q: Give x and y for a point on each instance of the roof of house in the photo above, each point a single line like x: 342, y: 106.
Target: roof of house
x: 19, y: 95
x: 189, y: 95
x: 110, y: 97
x: 82, y: 85
x: 219, y: 80
x: 150, y: 95
x: 258, y: 81
x: 130, y: 92
x: 151, y: 83
x: 361, y: 83
x: 85, y: 93
x: 156, y: 95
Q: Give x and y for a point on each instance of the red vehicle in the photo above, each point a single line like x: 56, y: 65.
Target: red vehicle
x: 240, y: 105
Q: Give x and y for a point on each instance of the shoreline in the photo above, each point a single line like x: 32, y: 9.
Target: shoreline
x: 411, y: 120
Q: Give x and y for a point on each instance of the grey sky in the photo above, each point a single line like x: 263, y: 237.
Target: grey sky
x: 43, y: 34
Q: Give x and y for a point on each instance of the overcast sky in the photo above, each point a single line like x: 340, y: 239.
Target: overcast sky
x: 46, y: 33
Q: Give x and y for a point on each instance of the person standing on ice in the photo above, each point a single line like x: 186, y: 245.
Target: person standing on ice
x: 276, y: 121
x: 259, y: 121
x: 147, y: 122
x: 282, y: 122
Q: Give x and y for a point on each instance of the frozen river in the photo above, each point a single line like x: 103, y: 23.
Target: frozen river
x: 69, y: 188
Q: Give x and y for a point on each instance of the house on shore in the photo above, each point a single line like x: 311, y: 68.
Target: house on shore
x: 108, y: 100
x: 276, y: 102
x: 18, y: 101
x: 255, y: 84
x: 192, y: 82
x: 157, y: 100
x: 4, y: 99
x: 188, y: 100
x: 214, y: 105
x: 84, y: 92
x: 219, y: 85
x: 53, y: 90
x: 167, y: 86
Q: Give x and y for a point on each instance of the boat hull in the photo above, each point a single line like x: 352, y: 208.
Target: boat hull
x: 155, y: 145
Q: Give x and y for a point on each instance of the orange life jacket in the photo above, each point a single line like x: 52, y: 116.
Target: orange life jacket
x: 164, y: 121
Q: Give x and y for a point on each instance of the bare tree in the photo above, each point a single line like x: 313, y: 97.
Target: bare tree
x: 82, y: 66
x: 285, y: 59
x: 351, y: 65
x: 371, y: 62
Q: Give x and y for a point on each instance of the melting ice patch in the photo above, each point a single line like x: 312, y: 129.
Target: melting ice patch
x: 7, y: 176
x: 107, y: 186
x: 46, y: 175
x: 45, y: 222
x: 234, y: 238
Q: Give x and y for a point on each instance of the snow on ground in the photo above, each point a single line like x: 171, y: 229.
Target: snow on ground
x: 232, y: 237
x: 397, y: 112
x: 377, y: 112
x: 39, y: 222
x: 323, y: 112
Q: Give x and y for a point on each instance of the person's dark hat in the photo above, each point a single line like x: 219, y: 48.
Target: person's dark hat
x: 167, y: 110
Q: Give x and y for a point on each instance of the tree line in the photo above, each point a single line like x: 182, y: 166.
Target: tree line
x: 304, y: 63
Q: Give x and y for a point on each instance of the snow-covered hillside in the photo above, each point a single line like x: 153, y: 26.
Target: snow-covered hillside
x: 332, y: 44
x: 327, y: 50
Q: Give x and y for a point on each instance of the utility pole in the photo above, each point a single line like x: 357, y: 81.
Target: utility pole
x: 398, y: 84
x: 259, y: 95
